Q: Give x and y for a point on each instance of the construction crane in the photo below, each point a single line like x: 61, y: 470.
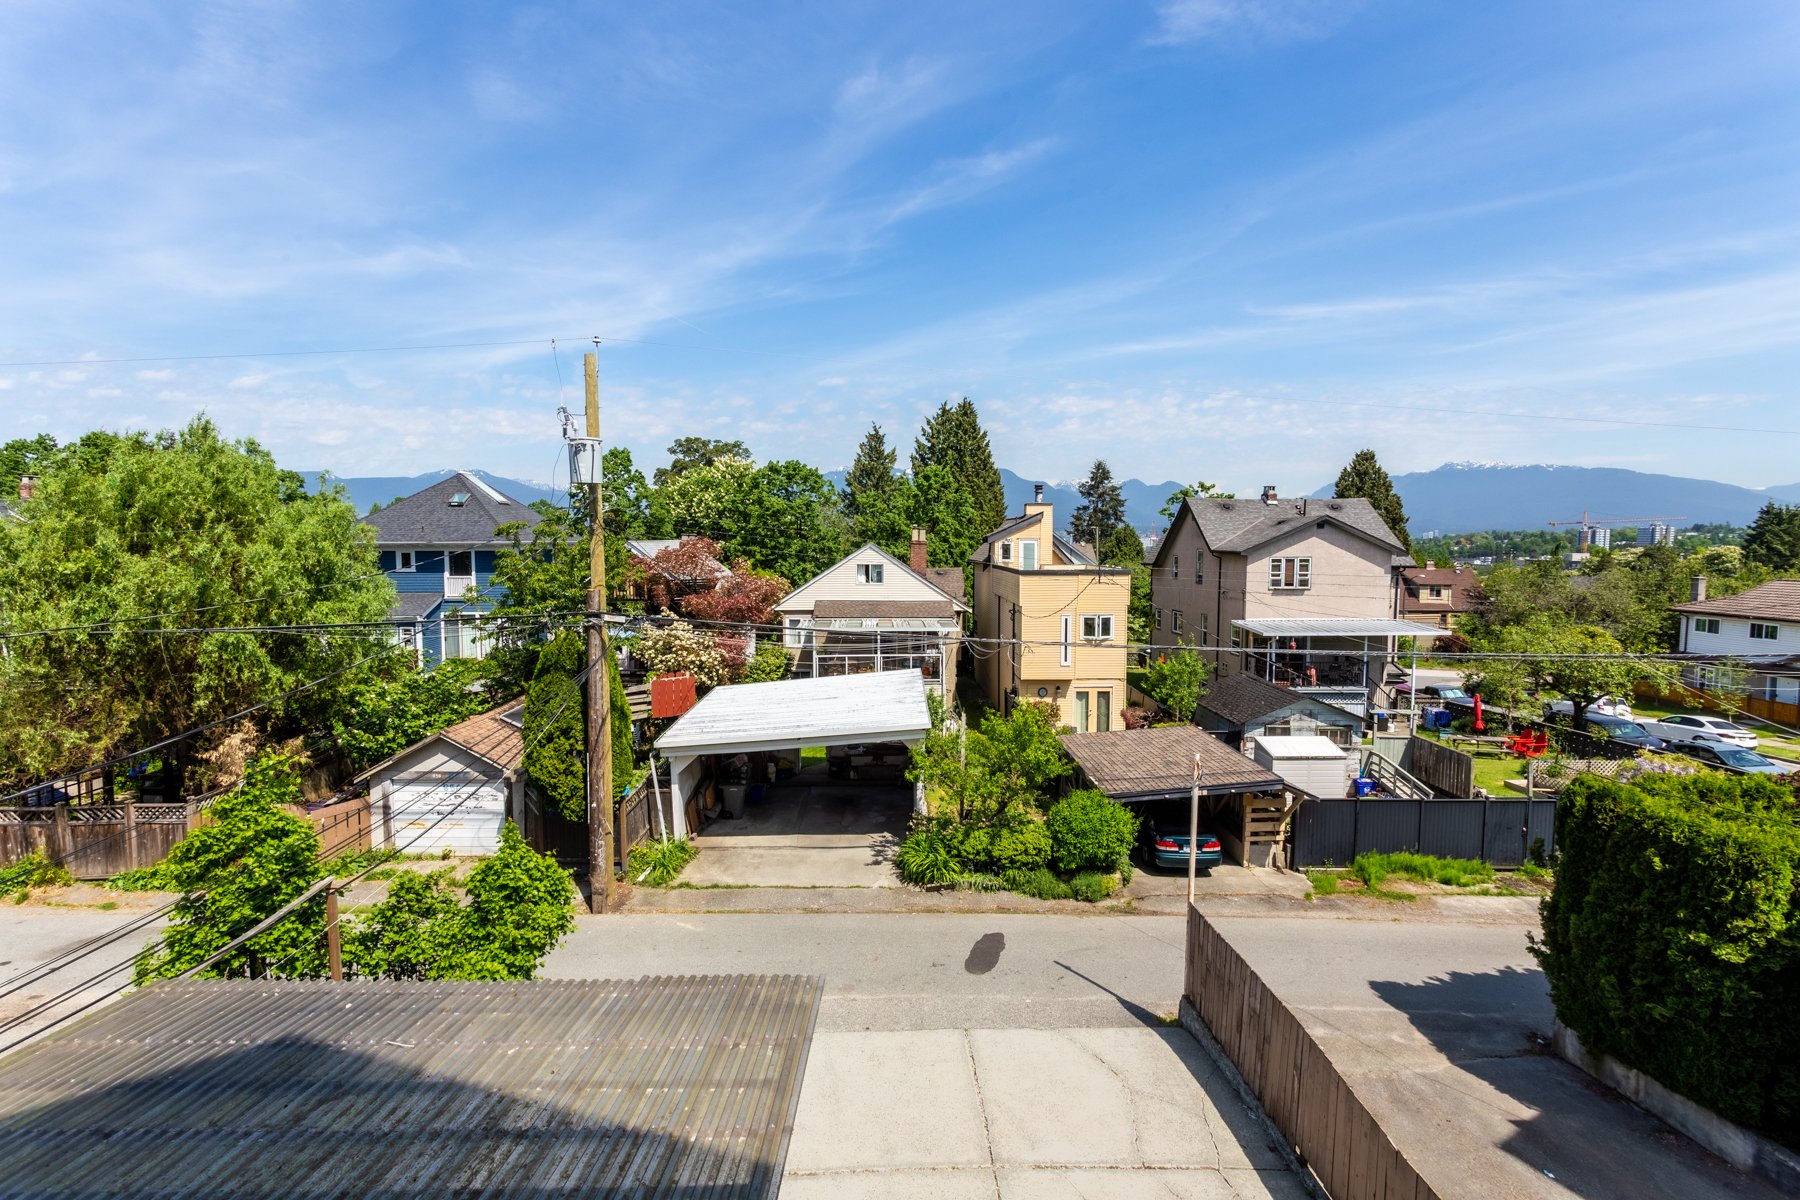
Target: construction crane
x: 1588, y: 524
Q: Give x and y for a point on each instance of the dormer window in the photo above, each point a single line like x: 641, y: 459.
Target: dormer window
x: 403, y: 560
x: 869, y: 572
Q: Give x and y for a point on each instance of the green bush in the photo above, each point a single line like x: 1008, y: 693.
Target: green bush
x: 34, y: 870
x: 144, y: 879
x: 1093, y: 887
x: 1089, y: 832
x: 1672, y: 940
x: 980, y: 883
x: 1020, y: 848
x: 1374, y: 869
x: 657, y: 863
x: 1040, y: 883
x: 927, y: 859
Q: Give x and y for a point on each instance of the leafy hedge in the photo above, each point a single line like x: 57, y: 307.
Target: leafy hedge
x: 1672, y: 941
x: 1089, y: 831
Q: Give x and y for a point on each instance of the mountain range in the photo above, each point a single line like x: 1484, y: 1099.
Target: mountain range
x: 1453, y: 498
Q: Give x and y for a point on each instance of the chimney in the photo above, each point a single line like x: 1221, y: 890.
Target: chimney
x: 916, y: 552
x: 1269, y: 496
x: 1037, y: 493
x: 27, y: 486
x: 1697, y: 589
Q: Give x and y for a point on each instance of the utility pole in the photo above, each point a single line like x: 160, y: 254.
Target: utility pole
x: 599, y: 677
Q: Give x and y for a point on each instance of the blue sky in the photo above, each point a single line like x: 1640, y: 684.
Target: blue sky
x: 1211, y: 238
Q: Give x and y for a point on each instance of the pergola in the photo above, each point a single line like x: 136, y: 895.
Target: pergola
x: 834, y: 710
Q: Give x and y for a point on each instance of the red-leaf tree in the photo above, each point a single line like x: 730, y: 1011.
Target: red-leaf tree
x: 742, y: 597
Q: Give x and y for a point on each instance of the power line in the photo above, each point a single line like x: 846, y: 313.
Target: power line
x: 179, y: 612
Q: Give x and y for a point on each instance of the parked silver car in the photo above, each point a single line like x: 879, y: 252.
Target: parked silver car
x: 1682, y: 728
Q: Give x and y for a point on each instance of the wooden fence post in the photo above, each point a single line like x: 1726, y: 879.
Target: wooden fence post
x: 131, y: 835
x: 334, y: 945
x: 61, y: 840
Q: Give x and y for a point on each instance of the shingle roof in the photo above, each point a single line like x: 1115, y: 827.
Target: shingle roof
x: 1778, y: 598
x: 428, y: 518
x: 948, y: 580
x: 1235, y: 526
x: 885, y: 608
x: 1242, y: 698
x: 488, y: 735
x: 1158, y: 762
x: 410, y: 606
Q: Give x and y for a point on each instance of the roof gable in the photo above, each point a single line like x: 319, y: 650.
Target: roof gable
x: 496, y: 736
x: 902, y: 583
x: 1243, y: 698
x: 458, y: 511
x: 1232, y: 526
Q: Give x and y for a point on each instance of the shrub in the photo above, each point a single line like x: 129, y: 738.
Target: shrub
x: 34, y: 870
x: 657, y: 863
x: 1040, y: 883
x: 926, y: 858
x: 1022, y: 848
x: 1672, y: 940
x: 1093, y: 887
x: 144, y: 879
x: 1089, y: 832
x: 980, y: 883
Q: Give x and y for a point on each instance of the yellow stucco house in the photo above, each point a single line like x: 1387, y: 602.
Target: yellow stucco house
x: 1056, y: 618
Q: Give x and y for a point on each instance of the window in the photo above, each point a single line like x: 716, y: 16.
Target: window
x: 1102, y: 712
x: 1290, y: 573
x: 1199, y: 568
x: 1097, y: 627
x: 1068, y: 624
x: 1437, y: 592
x: 1237, y: 637
x: 797, y: 632
x: 1157, y: 612
x: 1006, y: 554
x: 1175, y: 566
x: 1176, y: 628
x: 1763, y: 633
x: 1706, y: 624
x: 1028, y: 556
x: 869, y: 572
x: 1081, y: 713
x: 1203, y: 630
x: 403, y: 560
x: 459, y: 570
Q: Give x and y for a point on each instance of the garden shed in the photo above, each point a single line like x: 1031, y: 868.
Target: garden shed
x: 1314, y: 765
x: 1240, y: 707
x: 453, y: 790
x: 733, y: 722
x: 1244, y: 804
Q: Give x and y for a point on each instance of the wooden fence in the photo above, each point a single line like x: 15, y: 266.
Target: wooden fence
x: 343, y: 827
x: 95, y: 841
x: 1315, y: 1108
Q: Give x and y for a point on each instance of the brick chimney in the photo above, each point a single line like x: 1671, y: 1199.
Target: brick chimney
x: 27, y: 486
x: 1697, y: 589
x: 915, y: 557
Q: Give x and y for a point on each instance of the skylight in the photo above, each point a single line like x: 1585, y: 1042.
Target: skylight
x: 458, y: 500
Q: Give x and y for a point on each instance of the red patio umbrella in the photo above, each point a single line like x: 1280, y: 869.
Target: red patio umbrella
x: 1479, y: 726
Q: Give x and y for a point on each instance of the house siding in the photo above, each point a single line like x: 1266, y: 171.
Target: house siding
x: 840, y: 583
x: 1734, y: 637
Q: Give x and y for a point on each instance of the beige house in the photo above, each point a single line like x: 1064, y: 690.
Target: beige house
x: 1057, y: 620
x: 1321, y: 565
x: 871, y: 612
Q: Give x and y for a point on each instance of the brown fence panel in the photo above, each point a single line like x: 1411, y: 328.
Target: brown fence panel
x: 1446, y: 771
x: 94, y: 841
x: 343, y: 827
x: 1300, y: 1090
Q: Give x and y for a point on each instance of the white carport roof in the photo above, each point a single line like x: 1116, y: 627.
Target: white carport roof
x: 1299, y: 627
x: 841, y: 710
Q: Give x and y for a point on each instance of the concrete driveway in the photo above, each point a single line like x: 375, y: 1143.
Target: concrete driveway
x: 809, y: 833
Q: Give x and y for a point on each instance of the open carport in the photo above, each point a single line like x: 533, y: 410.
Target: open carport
x: 1245, y: 805
x: 805, y: 828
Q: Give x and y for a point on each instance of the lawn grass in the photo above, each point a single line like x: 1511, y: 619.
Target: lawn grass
x: 1324, y: 883
x: 1375, y: 869
x: 810, y: 754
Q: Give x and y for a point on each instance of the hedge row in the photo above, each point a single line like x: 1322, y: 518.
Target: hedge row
x: 1672, y: 941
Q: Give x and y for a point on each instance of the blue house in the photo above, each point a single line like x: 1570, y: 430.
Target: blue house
x: 438, y: 546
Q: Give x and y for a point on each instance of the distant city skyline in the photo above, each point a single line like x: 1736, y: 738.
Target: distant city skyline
x: 1228, y: 239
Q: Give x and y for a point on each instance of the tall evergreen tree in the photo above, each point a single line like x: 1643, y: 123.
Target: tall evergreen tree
x: 953, y: 437
x: 1774, y: 537
x: 1363, y: 477
x: 1102, y: 508
x: 870, y: 483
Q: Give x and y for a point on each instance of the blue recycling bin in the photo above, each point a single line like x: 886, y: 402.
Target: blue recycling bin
x: 1365, y: 787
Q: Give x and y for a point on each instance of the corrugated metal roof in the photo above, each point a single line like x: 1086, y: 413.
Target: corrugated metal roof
x: 888, y: 706
x: 656, y: 1087
x: 1145, y: 763
x: 1383, y: 627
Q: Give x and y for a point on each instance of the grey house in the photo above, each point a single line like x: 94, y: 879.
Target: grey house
x: 1240, y: 707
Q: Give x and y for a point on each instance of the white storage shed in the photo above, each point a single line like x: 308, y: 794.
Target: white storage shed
x: 1309, y: 763
x: 453, y: 790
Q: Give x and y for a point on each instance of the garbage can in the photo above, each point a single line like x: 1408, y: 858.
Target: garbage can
x: 731, y: 799
x: 1365, y: 787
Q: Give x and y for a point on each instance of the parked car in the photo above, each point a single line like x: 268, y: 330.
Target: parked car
x: 1163, y: 840
x: 1731, y: 758
x: 1446, y: 694
x: 1606, y: 706
x: 1618, y: 729
x: 1682, y: 728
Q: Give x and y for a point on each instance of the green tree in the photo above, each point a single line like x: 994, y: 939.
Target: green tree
x: 624, y: 494
x: 1172, y: 506
x: 212, y: 533
x: 384, y: 714
x: 555, y: 724
x: 1102, y: 507
x: 953, y: 437
x: 790, y: 523
x: 1580, y: 663
x: 686, y: 453
x: 252, y: 857
x: 871, y: 482
x: 1774, y: 537
x: 540, y: 572
x: 624, y: 761
x: 1177, y: 680
x: 1140, y: 614
x: 946, y: 511
x: 679, y: 649
x: 1364, y: 477
x: 1123, y: 548
x: 24, y: 456
x: 997, y: 774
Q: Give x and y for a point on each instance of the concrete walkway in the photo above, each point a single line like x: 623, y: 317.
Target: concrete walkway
x: 1441, y: 1029
x: 807, y: 834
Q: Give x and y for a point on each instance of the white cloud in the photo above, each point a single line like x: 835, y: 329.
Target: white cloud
x: 1183, y: 21
x: 158, y: 375
x: 247, y: 382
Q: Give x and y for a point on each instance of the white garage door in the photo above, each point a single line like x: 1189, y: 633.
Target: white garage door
x: 428, y: 818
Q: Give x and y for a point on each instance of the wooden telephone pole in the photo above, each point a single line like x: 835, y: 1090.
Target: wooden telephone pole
x: 599, y: 678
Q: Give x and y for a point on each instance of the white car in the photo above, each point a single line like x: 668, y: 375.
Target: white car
x: 1682, y: 729
x: 1605, y: 706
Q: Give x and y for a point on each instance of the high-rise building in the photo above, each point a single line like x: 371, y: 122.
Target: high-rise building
x: 1597, y: 537
x: 1655, y: 533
